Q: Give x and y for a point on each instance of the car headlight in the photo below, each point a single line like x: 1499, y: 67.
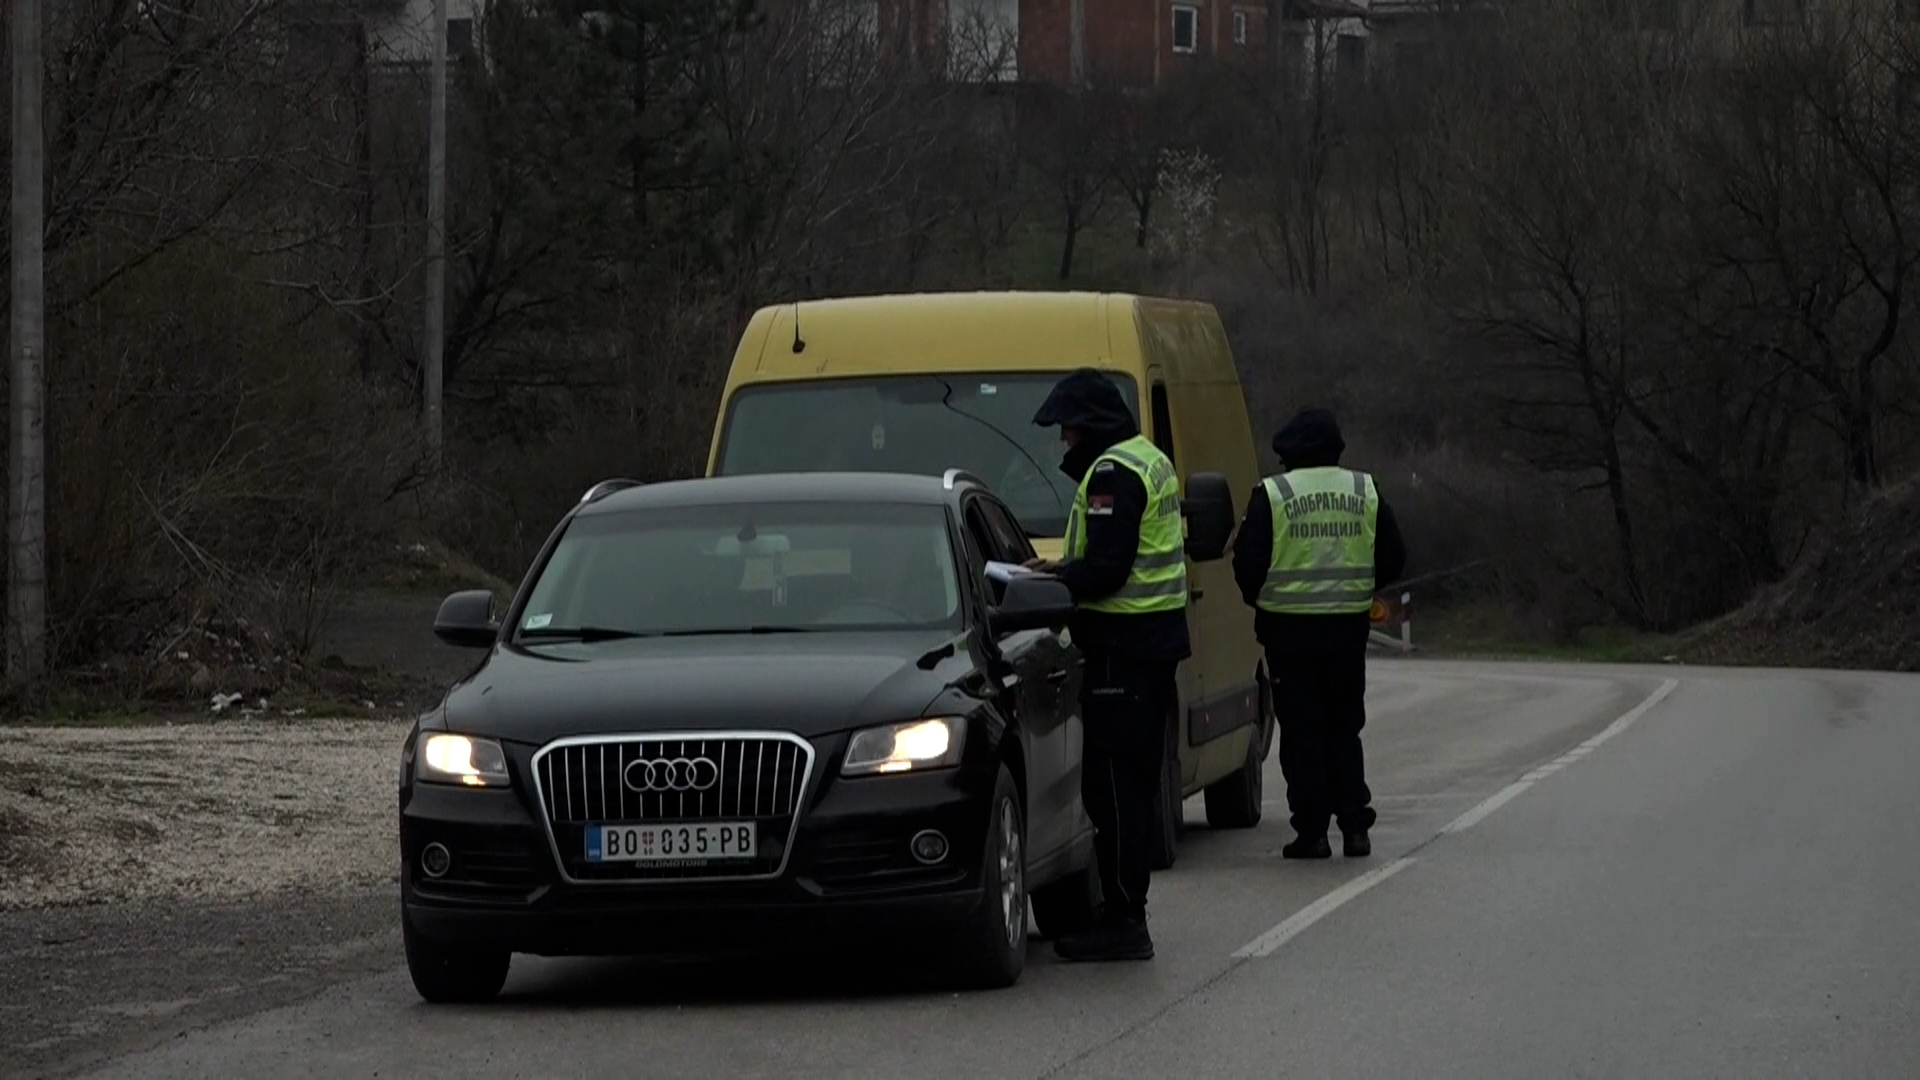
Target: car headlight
x: 933, y: 743
x: 457, y: 759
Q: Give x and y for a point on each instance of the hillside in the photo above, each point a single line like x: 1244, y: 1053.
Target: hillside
x: 1853, y: 602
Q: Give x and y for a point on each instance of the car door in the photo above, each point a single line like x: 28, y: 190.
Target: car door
x: 1049, y: 704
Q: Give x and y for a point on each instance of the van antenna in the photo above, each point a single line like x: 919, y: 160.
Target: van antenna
x: 799, y: 346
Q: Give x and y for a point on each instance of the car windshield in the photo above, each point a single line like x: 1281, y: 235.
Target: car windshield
x: 923, y: 424
x: 746, y: 568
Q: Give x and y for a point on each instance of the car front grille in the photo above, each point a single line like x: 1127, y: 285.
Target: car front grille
x: 668, y: 780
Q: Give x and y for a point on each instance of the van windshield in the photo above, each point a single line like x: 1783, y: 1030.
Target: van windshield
x: 924, y: 424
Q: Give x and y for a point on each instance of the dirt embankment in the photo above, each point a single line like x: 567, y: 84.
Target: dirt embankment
x: 222, y: 810
x: 1853, y: 602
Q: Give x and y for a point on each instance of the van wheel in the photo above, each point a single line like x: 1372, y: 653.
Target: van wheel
x: 993, y: 942
x: 1069, y: 905
x: 1236, y: 801
x: 1172, y: 821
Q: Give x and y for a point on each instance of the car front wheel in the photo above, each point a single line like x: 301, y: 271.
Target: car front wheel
x: 994, y: 943
x: 447, y: 975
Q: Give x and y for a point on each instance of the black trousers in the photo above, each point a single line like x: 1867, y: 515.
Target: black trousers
x: 1321, y: 699
x: 1124, y: 704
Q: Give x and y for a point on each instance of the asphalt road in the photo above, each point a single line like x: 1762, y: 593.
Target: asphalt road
x: 1577, y: 872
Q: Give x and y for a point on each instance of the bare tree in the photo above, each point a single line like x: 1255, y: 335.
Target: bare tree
x: 1812, y: 212
x: 1064, y: 134
x: 26, y: 506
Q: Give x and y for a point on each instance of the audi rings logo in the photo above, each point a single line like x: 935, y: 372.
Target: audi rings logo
x: 672, y: 774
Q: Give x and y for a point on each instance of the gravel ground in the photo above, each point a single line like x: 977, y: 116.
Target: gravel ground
x: 155, y: 879
x: 215, y: 812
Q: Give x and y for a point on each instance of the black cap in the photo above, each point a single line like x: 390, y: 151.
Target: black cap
x: 1086, y: 399
x: 1310, y: 440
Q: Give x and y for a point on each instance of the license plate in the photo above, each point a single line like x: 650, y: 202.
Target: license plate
x: 689, y: 844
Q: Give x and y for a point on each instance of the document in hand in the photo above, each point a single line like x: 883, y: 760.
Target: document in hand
x: 1004, y: 572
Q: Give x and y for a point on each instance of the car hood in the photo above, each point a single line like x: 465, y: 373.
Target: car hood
x: 809, y: 684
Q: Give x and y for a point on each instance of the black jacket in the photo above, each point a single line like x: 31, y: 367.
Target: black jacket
x: 1117, y: 502
x: 1310, y: 440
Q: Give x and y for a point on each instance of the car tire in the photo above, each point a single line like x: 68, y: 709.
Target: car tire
x: 448, y: 976
x: 1069, y: 905
x: 1172, y: 818
x: 1237, y: 801
x: 994, y: 943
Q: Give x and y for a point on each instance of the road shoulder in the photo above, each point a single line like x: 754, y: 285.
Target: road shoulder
x: 82, y: 986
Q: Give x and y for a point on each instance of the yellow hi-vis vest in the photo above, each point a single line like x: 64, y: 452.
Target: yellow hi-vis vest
x: 1323, y: 528
x: 1158, y: 581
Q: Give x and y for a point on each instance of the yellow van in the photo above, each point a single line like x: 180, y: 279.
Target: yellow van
x: 924, y: 383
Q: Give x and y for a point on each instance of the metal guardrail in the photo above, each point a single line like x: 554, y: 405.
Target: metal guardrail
x: 1395, y: 617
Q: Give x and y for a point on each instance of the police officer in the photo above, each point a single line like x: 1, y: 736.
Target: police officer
x: 1316, y: 543
x: 1125, y: 564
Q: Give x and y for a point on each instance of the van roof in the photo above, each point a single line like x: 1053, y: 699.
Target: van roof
x: 859, y: 487
x: 972, y: 331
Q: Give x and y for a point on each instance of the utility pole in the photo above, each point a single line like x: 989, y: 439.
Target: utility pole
x: 26, y: 637
x: 433, y: 325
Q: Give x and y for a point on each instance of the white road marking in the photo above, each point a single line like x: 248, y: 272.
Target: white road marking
x: 1474, y: 816
x: 1514, y: 790
x: 1266, y: 944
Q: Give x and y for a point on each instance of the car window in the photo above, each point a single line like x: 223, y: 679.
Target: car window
x: 1008, y: 536
x: 976, y: 560
x: 923, y: 424
x: 731, y: 568
x: 981, y: 527
x: 982, y: 536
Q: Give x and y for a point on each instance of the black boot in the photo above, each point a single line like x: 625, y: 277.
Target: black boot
x: 1358, y: 846
x: 1114, y: 938
x: 1308, y: 847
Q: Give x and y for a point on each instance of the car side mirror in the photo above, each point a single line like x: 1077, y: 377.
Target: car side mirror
x: 466, y: 620
x: 1208, y: 508
x: 1031, y: 602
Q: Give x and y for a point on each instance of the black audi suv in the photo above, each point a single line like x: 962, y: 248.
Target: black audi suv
x: 732, y: 714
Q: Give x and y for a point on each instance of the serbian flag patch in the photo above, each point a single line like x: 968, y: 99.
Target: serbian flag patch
x: 1099, y: 506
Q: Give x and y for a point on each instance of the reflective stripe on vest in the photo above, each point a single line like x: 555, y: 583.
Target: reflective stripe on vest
x: 1158, y: 580
x: 1323, y: 529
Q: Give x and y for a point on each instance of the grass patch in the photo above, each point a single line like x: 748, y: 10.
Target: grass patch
x: 1491, y: 632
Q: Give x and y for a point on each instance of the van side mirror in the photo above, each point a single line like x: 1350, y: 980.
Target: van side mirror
x: 1208, y: 508
x: 466, y: 620
x: 1031, y: 602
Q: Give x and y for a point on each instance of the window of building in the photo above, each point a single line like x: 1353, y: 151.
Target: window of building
x: 1186, y: 28
x: 1294, y: 60
x: 459, y: 38
x: 1239, y: 27
x: 1350, y: 62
